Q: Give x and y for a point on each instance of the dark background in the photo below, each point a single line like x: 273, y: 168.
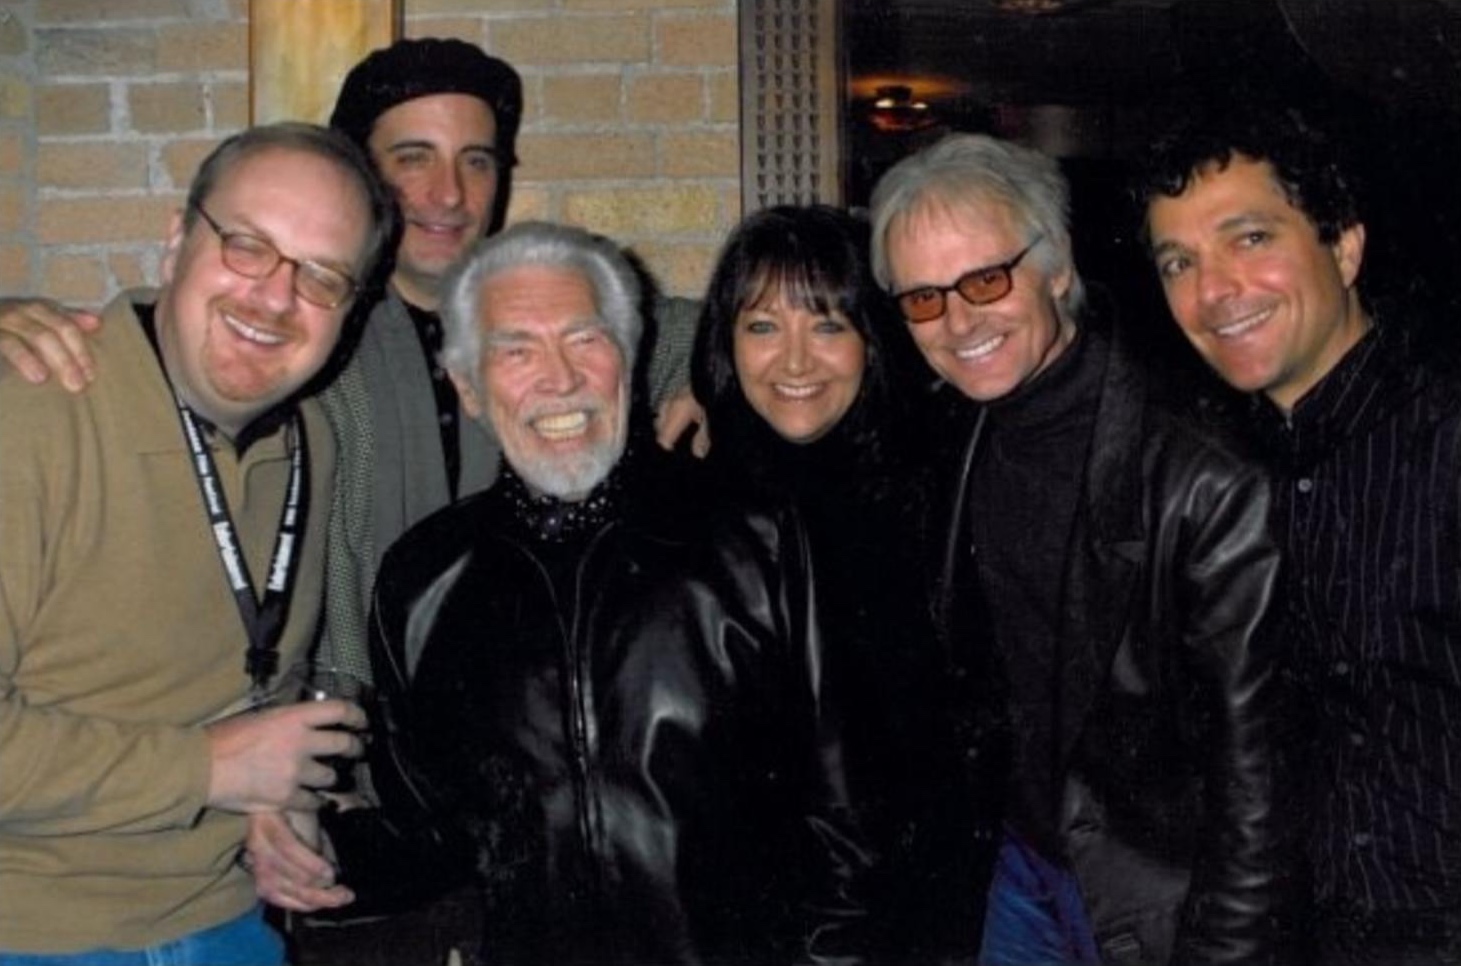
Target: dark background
x: 1089, y: 81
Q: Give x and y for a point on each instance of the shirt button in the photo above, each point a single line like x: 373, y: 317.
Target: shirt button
x: 1356, y: 739
x: 445, y: 419
x: 1341, y: 667
x: 1305, y: 485
x: 1362, y: 839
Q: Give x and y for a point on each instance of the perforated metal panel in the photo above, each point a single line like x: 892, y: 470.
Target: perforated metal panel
x: 791, y: 103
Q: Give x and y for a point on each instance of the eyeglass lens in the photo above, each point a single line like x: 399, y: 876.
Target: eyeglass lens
x: 982, y: 286
x: 255, y: 257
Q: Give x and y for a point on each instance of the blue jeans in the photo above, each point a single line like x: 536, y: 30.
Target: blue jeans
x: 1035, y: 915
x: 245, y: 941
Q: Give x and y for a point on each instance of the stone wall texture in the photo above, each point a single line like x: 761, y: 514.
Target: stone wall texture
x: 106, y: 106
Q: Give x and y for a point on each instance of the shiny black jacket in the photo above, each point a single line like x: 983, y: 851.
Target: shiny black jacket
x: 627, y: 734
x: 1163, y: 705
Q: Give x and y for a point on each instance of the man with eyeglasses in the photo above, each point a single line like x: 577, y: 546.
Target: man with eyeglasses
x: 1102, y: 574
x: 163, y: 552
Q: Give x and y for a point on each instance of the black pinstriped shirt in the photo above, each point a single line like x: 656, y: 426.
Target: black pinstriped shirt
x: 1367, y: 475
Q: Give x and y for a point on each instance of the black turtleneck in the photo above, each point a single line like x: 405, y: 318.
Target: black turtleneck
x: 1024, y: 490
x: 448, y: 409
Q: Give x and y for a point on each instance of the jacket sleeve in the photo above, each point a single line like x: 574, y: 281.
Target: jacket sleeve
x: 668, y: 367
x: 836, y: 926
x: 1231, y: 613
x: 402, y: 851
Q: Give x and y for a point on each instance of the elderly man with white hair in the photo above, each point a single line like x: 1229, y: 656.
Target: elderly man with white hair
x: 601, y: 690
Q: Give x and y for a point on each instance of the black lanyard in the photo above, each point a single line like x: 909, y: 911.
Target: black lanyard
x: 263, y: 620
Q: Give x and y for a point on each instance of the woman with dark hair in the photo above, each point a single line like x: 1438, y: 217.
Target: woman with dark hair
x: 807, y: 378
x: 793, y: 360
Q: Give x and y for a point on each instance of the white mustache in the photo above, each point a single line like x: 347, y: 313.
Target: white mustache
x: 561, y: 408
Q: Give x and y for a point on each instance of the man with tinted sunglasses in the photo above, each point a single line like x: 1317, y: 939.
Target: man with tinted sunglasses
x: 1102, y: 571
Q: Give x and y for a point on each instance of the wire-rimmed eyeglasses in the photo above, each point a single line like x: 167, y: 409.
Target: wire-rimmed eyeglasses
x: 254, y: 257
x: 980, y: 286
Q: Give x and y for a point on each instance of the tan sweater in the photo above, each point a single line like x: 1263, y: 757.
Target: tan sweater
x: 118, y: 637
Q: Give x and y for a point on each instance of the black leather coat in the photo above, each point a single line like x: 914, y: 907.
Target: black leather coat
x: 627, y: 734
x: 1163, y: 736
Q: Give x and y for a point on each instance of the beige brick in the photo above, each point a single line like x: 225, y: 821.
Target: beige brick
x: 90, y: 165
x: 533, y: 99
x: 230, y: 105
x: 128, y: 269
x: 158, y: 108
x: 96, y: 52
x: 416, y: 8
x: 592, y: 98
x: 13, y: 202
x: 203, y: 46
x: 180, y: 159
x: 725, y: 97
x: 13, y: 152
x: 680, y: 269
x: 622, y: 38
x: 700, y: 154
x: 73, y: 109
x: 15, y: 269
x: 88, y: 221
x: 666, y: 98
x: 470, y: 29
x: 529, y: 202
x: 732, y: 205
x: 13, y: 39
x: 627, y: 213
x: 707, y: 40
x: 600, y: 5
x: 90, y: 11
x: 550, y: 156
x: 15, y: 98
x: 75, y: 279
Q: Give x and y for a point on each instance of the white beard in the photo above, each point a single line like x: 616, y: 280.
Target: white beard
x: 572, y: 478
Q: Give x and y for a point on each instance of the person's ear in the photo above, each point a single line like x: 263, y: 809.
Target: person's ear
x: 176, y: 231
x: 472, y: 404
x: 1060, y: 282
x: 1349, y: 252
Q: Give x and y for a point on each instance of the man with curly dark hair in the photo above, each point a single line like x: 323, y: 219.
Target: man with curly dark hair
x: 1254, y: 226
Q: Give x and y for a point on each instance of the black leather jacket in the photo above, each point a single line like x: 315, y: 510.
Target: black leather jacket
x: 1164, y: 766
x: 627, y: 734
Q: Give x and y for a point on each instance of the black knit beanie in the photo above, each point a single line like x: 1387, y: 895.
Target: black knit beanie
x: 409, y: 69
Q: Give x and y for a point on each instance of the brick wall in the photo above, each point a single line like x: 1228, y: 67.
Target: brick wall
x: 106, y: 106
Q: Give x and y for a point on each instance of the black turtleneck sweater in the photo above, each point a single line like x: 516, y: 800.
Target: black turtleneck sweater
x: 1024, y: 490
x: 448, y: 411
